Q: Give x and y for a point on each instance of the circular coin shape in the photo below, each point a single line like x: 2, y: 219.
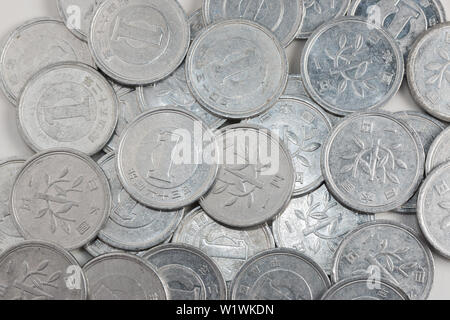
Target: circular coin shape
x: 68, y: 105
x: 350, y: 65
x: 196, y: 23
x: 364, y: 289
x: 315, y: 225
x: 433, y: 209
x: 373, y: 162
x: 132, y: 226
x: 61, y: 196
x: 236, y: 69
x: 138, y: 42
x: 256, y: 177
x: 34, y: 45
x: 167, y: 159
x: 120, y: 276
x: 428, y: 71
x: 9, y: 235
x: 427, y: 128
x: 439, y: 152
x: 188, y: 273
x: 389, y: 250
x: 35, y: 270
x: 319, y: 12
x: 229, y: 248
x: 303, y: 127
x: 279, y: 274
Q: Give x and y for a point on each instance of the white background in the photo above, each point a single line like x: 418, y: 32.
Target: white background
x: 15, y: 12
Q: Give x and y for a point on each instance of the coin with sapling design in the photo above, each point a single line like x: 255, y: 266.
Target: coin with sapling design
x: 279, y: 274
x: 429, y: 71
x: 433, y: 209
x: 390, y: 251
x: 439, y: 152
x: 196, y: 23
x: 255, y: 180
x: 427, y: 128
x: 373, y: 162
x: 61, y: 196
x: 350, y: 65
x: 121, y: 276
x: 315, y: 225
x: 36, y: 270
x: 229, y: 248
x: 303, y: 127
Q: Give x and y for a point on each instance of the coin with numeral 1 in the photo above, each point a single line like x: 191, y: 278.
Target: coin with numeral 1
x: 390, y: 251
x: 61, y: 196
x: 373, y: 162
x: 439, y: 152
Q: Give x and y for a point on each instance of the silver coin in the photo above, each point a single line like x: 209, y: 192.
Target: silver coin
x: 315, y: 225
x: 120, y: 276
x: 196, y: 22
x: 68, y: 105
x: 303, y: 127
x: 350, y: 65
x: 373, y: 162
x: 429, y: 73
x: 162, y: 164
x: 188, y: 272
x: 390, y: 251
x: 364, y: 289
x: 405, y: 20
x: 433, y: 209
x: 427, y: 128
x: 132, y: 226
x: 229, y: 248
x: 77, y: 14
x: 9, y: 235
x: 61, y: 196
x: 236, y: 69
x: 35, y: 270
x: 319, y: 12
x: 98, y: 247
x: 174, y: 91
x: 255, y: 180
x: 439, y: 152
x: 138, y: 42
x: 34, y: 45
x: 283, y: 17
x: 279, y: 274
x: 295, y: 86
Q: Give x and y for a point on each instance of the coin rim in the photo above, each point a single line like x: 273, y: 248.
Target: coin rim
x: 434, y: 149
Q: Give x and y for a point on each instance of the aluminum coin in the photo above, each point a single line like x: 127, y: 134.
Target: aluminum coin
x: 439, y: 152
x: 196, y: 22
x: 98, y: 247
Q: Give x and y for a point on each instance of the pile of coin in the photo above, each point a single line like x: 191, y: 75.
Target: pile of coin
x: 182, y: 155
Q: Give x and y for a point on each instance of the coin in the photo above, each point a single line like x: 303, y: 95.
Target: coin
x: 255, y: 180
x: 98, y: 247
x: 405, y: 20
x: 427, y: 128
x: 174, y: 91
x: 350, y: 65
x: 433, y: 209
x: 132, y: 226
x: 196, y: 22
x: 166, y: 159
x: 364, y: 289
x: 9, y: 235
x: 229, y: 248
x: 388, y: 250
x: 67, y: 105
x: 315, y: 225
x: 303, y: 127
x: 373, y: 162
x: 295, y: 86
x: 236, y: 69
x: 279, y: 274
x: 439, y: 152
x: 319, y: 12
x: 35, y: 270
x: 120, y: 276
x: 188, y: 272
x: 34, y: 45
x: 138, y: 42
x: 283, y: 17
x: 61, y: 196
x: 428, y: 71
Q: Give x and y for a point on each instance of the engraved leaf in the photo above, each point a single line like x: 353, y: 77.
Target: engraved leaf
x: 47, y: 179
x: 55, y: 276
x: 444, y: 204
x: 383, y: 244
x: 65, y: 226
x: 292, y: 137
x: 359, y: 90
x: 312, y: 208
x: 310, y: 200
x: 390, y: 264
x: 349, y: 156
x: 402, y: 251
x: 77, y: 182
x: 25, y: 265
x: 358, y: 42
x: 53, y: 223
x: 219, y: 189
x: 368, y: 85
x: 300, y: 214
x: 318, y: 215
x: 42, y: 213
x: 312, y: 147
x: 346, y: 168
x: 60, y: 191
x: 317, y: 7
x: 42, y: 265
x: 36, y: 283
x: 383, y: 161
x: 408, y: 266
x: 342, y: 41
x: 64, y: 173
x: 342, y: 86
x: 305, y: 162
x: 326, y: 196
x: 396, y: 146
x: 358, y: 142
x: 361, y: 70
x: 231, y: 201
x: 401, y: 164
x: 444, y: 54
x: 392, y: 177
x: 433, y: 79
x: 433, y: 67
x: 332, y: 227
